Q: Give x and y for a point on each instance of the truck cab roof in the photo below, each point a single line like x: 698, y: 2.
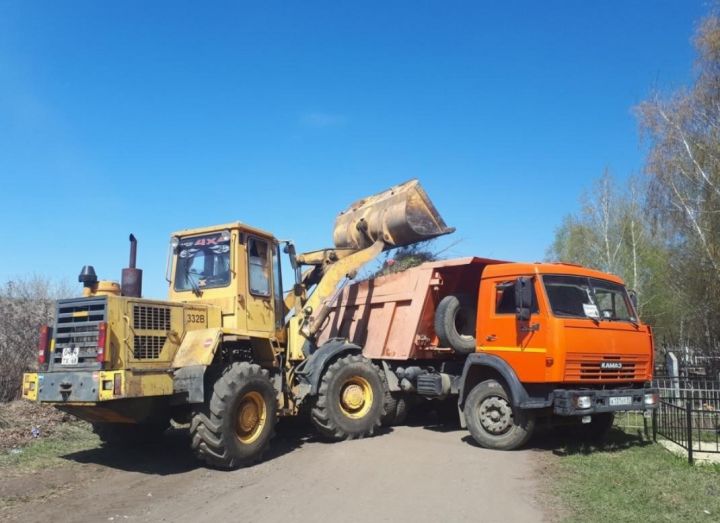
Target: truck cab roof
x: 495, y: 269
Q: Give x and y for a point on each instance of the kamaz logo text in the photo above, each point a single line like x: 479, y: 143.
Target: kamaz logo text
x: 611, y: 365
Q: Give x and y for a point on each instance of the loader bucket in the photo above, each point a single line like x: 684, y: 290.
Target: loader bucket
x: 400, y: 216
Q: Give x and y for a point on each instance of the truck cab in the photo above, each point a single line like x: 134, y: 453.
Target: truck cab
x: 554, y: 341
x: 582, y: 326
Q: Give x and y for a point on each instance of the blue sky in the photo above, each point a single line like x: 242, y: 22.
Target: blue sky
x: 152, y: 117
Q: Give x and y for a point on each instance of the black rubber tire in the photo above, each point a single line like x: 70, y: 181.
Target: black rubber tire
x: 520, y: 428
x: 130, y: 434
x: 326, y: 413
x: 401, y: 412
x: 213, y: 425
x: 396, y: 409
x: 455, y: 319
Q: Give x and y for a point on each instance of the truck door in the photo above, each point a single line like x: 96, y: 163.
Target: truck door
x: 260, y: 314
x: 522, y: 344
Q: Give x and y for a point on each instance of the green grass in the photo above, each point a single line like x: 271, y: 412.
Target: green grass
x: 626, y: 479
x: 47, y: 452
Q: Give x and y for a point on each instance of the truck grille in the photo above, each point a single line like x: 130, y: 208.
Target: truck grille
x: 151, y: 324
x: 594, y: 367
x: 76, y: 325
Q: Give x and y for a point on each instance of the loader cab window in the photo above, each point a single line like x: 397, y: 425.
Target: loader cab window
x: 259, y: 266
x: 203, y: 262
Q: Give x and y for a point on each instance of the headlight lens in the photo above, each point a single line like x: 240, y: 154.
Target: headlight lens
x: 583, y: 402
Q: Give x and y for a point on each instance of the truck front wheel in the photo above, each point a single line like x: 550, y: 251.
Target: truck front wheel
x: 350, y: 400
x: 492, y: 420
x: 234, y: 428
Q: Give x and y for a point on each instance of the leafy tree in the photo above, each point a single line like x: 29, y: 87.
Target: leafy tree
x: 683, y: 164
x: 611, y: 233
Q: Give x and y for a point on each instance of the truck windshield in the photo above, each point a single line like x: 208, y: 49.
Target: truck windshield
x: 580, y: 297
x: 203, y: 262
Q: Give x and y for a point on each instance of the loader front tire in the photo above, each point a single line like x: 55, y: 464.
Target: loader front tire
x: 350, y: 400
x: 233, y: 429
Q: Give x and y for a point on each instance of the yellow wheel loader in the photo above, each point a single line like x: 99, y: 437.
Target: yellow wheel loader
x: 228, y: 352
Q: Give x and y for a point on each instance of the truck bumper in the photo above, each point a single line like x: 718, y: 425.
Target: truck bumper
x: 581, y: 402
x: 73, y: 386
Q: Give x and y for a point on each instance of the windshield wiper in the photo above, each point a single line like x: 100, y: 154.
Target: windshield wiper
x: 195, y: 287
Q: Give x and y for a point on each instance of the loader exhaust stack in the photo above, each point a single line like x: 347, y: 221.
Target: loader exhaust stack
x: 131, y: 283
x: 399, y: 216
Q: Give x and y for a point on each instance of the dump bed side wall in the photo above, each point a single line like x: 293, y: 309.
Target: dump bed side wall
x: 391, y: 317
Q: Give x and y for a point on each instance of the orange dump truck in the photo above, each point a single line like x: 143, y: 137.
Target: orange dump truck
x: 511, y: 342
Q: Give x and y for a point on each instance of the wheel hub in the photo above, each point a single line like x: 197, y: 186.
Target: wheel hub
x: 250, y: 417
x: 353, y: 397
x: 356, y: 397
x: 495, y: 415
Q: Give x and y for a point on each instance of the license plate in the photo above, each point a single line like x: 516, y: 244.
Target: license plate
x: 70, y: 355
x: 620, y: 401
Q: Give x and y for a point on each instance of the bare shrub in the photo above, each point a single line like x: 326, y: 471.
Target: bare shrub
x: 25, y: 304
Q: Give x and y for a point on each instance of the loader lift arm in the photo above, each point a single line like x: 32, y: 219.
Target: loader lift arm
x: 400, y: 216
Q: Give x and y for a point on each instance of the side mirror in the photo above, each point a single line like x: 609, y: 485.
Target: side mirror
x: 633, y: 298
x: 524, y: 293
x: 289, y: 249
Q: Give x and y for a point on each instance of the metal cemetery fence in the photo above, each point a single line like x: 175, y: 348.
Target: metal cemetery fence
x: 689, y: 414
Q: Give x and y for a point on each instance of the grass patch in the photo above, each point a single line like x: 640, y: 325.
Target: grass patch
x: 46, y: 452
x: 627, y: 479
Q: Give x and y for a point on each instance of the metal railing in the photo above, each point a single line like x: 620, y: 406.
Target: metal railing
x: 689, y: 414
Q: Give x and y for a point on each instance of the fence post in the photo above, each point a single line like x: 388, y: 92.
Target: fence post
x: 654, y: 424
x: 688, y: 411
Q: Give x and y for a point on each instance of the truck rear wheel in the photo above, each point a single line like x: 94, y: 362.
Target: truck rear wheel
x: 396, y: 409
x: 234, y: 428
x: 350, y: 400
x: 492, y: 420
x: 455, y: 323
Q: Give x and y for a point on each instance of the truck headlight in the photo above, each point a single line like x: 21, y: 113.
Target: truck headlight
x: 583, y: 402
x: 651, y: 399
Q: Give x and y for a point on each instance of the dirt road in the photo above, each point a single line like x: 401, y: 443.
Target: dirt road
x: 412, y: 473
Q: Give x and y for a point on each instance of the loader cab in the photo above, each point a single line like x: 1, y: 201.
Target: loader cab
x: 235, y: 267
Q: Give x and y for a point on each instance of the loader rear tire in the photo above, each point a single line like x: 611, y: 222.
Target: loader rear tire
x: 233, y: 429
x: 455, y: 323
x: 130, y: 434
x: 350, y: 401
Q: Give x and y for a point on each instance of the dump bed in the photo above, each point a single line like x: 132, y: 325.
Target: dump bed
x: 391, y: 317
